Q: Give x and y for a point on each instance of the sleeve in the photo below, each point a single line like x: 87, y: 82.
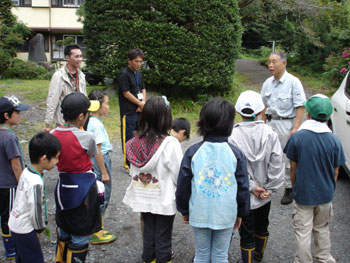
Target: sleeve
x: 124, y: 83
x: 276, y: 167
x: 183, y: 190
x: 12, y: 148
x: 173, y: 160
x: 143, y: 86
x: 290, y: 149
x: 97, y: 130
x: 35, y: 204
x: 243, y: 195
x: 298, y: 93
x: 92, y: 150
x: 53, y: 98
x: 82, y: 84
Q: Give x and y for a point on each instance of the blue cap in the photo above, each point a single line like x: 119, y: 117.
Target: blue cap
x: 12, y: 103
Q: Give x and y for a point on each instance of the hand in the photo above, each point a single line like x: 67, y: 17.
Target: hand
x: 105, y: 178
x: 264, y: 195
x: 185, y: 219
x: 238, y: 223
x: 258, y: 191
x: 142, y: 103
x: 38, y: 235
x: 293, y: 131
x: 139, y: 109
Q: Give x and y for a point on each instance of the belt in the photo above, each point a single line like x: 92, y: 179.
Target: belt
x: 275, y: 117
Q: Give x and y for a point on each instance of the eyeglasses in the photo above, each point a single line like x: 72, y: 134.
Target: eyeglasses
x: 14, y: 101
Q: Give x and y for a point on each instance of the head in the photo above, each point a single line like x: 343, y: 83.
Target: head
x: 277, y: 64
x: 44, y: 149
x: 249, y: 104
x: 73, y: 55
x: 75, y: 107
x: 155, y: 120
x: 181, y: 129
x: 10, y: 109
x: 216, y: 118
x: 319, y: 107
x: 135, y: 59
x: 100, y: 96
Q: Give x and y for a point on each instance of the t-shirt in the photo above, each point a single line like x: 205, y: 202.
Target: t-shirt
x: 9, y: 149
x: 317, y: 154
x: 129, y: 81
x: 96, y: 127
x: 76, y: 148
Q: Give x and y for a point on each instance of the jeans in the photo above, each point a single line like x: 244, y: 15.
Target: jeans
x: 108, y: 187
x: 77, y: 241
x: 211, y: 245
x: 128, y: 126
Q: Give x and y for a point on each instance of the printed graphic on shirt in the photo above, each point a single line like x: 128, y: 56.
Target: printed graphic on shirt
x: 145, y: 180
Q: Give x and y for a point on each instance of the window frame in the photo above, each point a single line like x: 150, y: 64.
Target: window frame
x: 61, y: 49
x: 61, y: 3
x: 21, y: 3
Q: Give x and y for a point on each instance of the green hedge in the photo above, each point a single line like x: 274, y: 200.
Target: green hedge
x: 24, y: 70
x: 190, y: 46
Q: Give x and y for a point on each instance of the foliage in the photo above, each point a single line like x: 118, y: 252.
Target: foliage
x: 337, y: 65
x: 23, y: 70
x: 189, y: 50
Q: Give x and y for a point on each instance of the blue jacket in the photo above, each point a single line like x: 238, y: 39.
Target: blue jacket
x: 213, y: 184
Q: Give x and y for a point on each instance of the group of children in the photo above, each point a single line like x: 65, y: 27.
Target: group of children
x: 222, y: 183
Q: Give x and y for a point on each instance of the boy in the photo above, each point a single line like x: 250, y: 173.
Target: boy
x: 26, y: 221
x: 260, y: 145
x: 77, y: 203
x: 181, y: 129
x: 315, y: 155
x: 11, y: 163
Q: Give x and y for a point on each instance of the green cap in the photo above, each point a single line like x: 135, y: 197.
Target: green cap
x: 319, y: 107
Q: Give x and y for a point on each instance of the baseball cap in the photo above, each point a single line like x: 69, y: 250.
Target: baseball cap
x: 76, y: 103
x: 319, y: 107
x: 12, y: 103
x: 249, y: 100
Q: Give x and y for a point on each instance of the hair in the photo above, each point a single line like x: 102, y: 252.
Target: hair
x: 155, y: 120
x: 71, y: 116
x: 216, y: 118
x: 95, y: 95
x: 134, y: 53
x: 2, y: 115
x: 182, y: 124
x: 41, y: 144
x: 282, y: 55
x: 68, y: 49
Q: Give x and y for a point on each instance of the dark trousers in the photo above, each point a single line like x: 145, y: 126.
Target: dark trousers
x: 28, y: 248
x: 256, y: 223
x: 127, y: 127
x: 157, y: 237
x: 7, y: 197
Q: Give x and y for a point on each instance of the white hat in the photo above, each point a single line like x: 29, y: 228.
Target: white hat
x: 249, y: 100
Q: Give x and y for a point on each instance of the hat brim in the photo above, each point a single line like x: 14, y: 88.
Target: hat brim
x: 95, y: 105
x: 22, y: 107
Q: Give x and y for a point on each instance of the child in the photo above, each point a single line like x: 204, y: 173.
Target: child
x: 181, y: 129
x: 102, y: 161
x: 213, y: 189
x: 315, y: 155
x: 77, y: 203
x: 26, y: 219
x: 11, y: 163
x: 260, y: 145
x: 155, y: 161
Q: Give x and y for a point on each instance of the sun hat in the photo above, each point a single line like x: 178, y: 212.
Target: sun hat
x: 319, y: 107
x: 249, y: 100
x: 76, y: 103
x: 12, y: 103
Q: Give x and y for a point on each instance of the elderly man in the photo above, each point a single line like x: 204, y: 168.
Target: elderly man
x: 66, y: 80
x: 283, y: 96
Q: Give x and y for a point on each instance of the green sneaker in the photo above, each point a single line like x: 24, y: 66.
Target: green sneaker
x: 102, y: 237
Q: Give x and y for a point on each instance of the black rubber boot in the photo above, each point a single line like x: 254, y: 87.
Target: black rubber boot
x: 61, y: 250
x: 247, y: 255
x: 288, y: 197
x: 77, y: 254
x: 260, y: 245
x: 9, y: 246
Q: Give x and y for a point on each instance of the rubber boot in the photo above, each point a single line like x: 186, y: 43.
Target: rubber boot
x: 287, y: 197
x: 9, y: 246
x: 102, y: 236
x: 77, y: 254
x: 260, y: 245
x: 247, y: 254
x: 61, y: 250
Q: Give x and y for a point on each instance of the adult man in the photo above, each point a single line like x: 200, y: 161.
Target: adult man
x: 66, y: 80
x: 132, y: 97
x: 283, y: 96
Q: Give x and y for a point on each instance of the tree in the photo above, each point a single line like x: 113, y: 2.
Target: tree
x: 190, y: 46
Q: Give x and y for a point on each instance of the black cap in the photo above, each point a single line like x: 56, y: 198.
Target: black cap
x: 76, y: 103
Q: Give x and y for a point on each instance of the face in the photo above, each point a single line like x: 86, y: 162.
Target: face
x: 49, y: 164
x: 15, y: 118
x: 75, y: 58
x: 180, y: 135
x: 276, y: 65
x: 136, y: 63
x: 104, y: 108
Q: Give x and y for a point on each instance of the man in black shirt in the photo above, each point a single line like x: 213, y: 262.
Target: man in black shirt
x: 132, y: 97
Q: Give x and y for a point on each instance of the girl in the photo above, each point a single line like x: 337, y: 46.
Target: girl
x: 213, y: 188
x: 102, y: 161
x: 155, y: 159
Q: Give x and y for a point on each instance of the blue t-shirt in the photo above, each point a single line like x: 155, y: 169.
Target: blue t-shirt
x: 96, y: 127
x: 317, y: 154
x: 9, y: 149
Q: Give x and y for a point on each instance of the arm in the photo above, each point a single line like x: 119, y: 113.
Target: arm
x: 144, y: 95
x: 293, y: 170
x: 35, y: 205
x: 336, y: 172
x: 52, y: 100
x: 101, y: 165
x: 16, y: 167
x: 298, y: 119
x: 243, y: 195
x: 133, y: 99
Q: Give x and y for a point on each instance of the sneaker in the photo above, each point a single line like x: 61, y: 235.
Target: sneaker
x: 172, y: 255
x: 288, y: 197
x: 102, y: 237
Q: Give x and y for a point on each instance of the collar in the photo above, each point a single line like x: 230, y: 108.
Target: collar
x: 249, y: 123
x: 315, y: 126
x: 283, y: 78
x: 212, y: 138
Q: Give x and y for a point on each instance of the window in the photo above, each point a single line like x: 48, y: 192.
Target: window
x: 67, y: 3
x: 58, y: 51
x: 25, y: 46
x: 22, y: 2
x: 347, y: 86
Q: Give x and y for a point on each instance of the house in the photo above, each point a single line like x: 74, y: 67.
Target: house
x: 54, y: 19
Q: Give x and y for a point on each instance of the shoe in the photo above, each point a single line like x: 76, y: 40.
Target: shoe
x: 288, y: 197
x: 102, y: 237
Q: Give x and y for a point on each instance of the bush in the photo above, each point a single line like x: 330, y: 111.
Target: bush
x: 190, y: 47
x: 24, y: 70
x: 337, y: 66
x: 5, y: 59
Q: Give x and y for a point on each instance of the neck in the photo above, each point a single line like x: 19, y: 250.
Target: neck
x: 71, y: 69
x: 38, y: 168
x: 132, y: 68
x: 96, y: 114
x: 75, y: 123
x: 278, y: 77
x: 7, y: 125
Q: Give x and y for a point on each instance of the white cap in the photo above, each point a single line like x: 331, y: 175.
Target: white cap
x: 249, y: 100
